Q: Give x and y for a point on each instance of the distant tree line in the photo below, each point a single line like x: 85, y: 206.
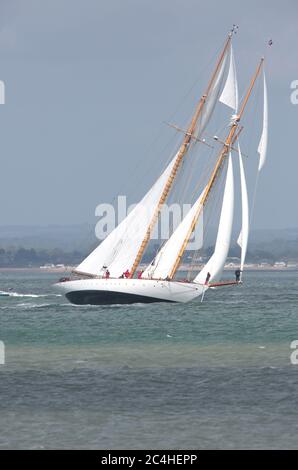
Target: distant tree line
x: 269, y: 252
x: 23, y: 257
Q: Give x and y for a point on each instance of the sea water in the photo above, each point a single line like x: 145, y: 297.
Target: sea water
x: 216, y: 374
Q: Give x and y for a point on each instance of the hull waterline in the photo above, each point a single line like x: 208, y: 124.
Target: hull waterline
x: 127, y: 291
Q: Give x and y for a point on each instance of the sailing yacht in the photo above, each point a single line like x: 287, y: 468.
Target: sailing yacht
x: 123, y: 249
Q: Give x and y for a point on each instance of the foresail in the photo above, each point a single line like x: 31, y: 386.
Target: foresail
x: 216, y: 263
x: 262, y: 149
x: 163, y: 263
x: 118, y: 250
x: 243, y: 237
x: 229, y: 95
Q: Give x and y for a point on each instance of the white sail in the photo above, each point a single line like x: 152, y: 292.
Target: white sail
x: 163, y: 263
x: 212, y: 97
x: 216, y: 263
x: 243, y: 237
x: 262, y: 149
x: 229, y: 95
x: 119, y: 249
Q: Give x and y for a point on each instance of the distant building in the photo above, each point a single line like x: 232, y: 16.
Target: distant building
x: 47, y: 266
x: 280, y: 264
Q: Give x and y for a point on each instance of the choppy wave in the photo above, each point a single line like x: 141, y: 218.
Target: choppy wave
x: 33, y: 296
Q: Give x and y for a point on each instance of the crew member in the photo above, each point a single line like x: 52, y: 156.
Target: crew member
x: 107, y: 274
x: 103, y: 271
x: 238, y: 275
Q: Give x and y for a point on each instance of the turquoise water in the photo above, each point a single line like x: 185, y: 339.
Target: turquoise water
x: 211, y: 375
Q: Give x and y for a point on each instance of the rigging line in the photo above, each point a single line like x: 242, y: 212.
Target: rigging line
x: 205, y: 173
x: 161, y: 244
x: 179, y: 188
x: 202, y: 178
x: 194, y: 84
x: 178, y: 107
x: 208, y: 212
x: 209, y: 166
x: 252, y: 114
x: 181, y: 154
x: 135, y: 178
x: 182, y: 186
x: 198, y: 79
x: 196, y: 158
x: 188, y: 172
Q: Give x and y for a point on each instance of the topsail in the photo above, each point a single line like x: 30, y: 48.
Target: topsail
x: 229, y: 96
x: 243, y: 237
x: 212, y: 98
x: 262, y: 149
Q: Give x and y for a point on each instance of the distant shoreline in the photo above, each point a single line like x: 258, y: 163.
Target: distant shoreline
x: 182, y: 268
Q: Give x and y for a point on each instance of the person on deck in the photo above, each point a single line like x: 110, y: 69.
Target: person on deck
x: 238, y: 275
x: 102, y: 272
x: 140, y: 273
x: 126, y: 274
x: 107, y: 274
x: 207, y: 278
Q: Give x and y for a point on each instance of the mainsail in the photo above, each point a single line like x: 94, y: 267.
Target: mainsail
x: 162, y: 265
x: 243, y: 237
x: 216, y: 263
x: 118, y: 250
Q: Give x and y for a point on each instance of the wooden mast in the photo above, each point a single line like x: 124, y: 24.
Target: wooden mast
x: 189, y: 134
x: 232, y: 136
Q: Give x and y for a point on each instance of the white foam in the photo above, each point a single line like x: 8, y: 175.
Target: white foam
x: 33, y: 296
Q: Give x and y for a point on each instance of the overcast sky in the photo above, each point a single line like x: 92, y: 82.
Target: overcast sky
x: 90, y: 82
